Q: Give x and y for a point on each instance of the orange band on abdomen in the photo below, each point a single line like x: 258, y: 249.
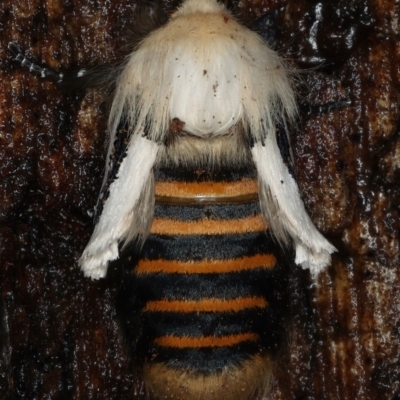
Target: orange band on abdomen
x: 205, y: 341
x: 206, y: 266
x: 206, y: 305
x: 164, y: 226
x: 206, y: 189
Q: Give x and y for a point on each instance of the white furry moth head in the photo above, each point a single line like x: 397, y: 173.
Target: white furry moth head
x: 228, y: 91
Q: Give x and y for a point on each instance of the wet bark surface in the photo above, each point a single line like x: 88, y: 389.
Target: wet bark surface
x: 59, y: 333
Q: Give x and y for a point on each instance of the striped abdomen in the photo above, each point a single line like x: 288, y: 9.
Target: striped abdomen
x: 206, y: 290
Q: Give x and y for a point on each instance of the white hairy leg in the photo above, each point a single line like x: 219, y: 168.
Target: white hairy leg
x: 117, y: 214
x: 313, y: 251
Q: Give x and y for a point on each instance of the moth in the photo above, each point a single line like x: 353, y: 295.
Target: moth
x: 199, y: 192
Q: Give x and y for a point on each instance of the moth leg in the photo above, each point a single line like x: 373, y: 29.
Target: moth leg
x: 282, y: 205
x: 118, y: 212
x: 69, y: 81
x: 44, y: 72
